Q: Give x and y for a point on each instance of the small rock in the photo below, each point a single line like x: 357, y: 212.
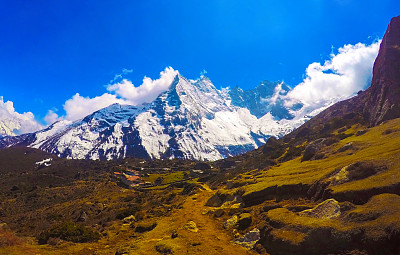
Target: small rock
x: 235, y: 233
x: 14, y: 188
x: 218, y: 213
x: 231, y: 222
x: 326, y: 210
x: 207, y: 211
x: 191, y: 226
x: 250, y: 239
x: 174, y: 235
x: 82, y: 217
x: 346, y: 147
x: 3, y: 226
x: 145, y: 227
x: 129, y: 219
x: 361, y: 132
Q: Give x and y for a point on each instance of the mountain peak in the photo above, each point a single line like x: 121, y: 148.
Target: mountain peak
x: 384, y: 93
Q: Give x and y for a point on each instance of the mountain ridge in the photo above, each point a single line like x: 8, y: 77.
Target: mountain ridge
x: 193, y: 120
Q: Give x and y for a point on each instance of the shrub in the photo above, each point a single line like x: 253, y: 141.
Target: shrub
x: 8, y: 238
x: 69, y: 231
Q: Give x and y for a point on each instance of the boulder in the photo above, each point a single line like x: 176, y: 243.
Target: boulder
x: 244, y: 221
x: 145, y: 227
x: 312, y: 149
x: 328, y: 209
x: 250, y: 239
x: 231, y: 222
x: 214, y: 201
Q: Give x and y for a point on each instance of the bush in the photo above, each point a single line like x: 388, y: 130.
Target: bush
x: 69, y: 231
x: 8, y: 238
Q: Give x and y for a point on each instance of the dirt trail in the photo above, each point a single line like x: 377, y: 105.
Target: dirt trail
x: 210, y: 238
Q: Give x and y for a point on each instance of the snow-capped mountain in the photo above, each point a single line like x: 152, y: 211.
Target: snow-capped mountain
x: 13, y: 123
x: 191, y: 120
x: 265, y: 98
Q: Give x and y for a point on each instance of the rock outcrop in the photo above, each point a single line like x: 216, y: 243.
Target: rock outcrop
x: 326, y: 210
x: 379, y: 103
x: 384, y: 93
x: 249, y: 239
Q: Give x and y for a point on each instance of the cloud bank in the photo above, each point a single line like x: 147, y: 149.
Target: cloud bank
x: 14, y: 123
x: 123, y: 92
x: 147, y: 91
x: 339, y: 78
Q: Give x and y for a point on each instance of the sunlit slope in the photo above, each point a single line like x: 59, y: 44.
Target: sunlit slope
x: 378, y: 145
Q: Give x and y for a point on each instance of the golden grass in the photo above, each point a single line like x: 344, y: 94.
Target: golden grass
x: 372, y: 145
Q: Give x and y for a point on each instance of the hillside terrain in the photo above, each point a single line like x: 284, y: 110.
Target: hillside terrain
x: 332, y: 186
x: 358, y: 176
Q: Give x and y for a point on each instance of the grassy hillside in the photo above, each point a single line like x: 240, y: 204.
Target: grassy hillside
x: 332, y: 193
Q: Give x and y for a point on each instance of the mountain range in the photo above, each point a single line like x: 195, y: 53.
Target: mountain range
x: 192, y: 120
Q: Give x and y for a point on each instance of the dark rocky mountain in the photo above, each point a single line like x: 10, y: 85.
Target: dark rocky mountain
x: 384, y: 94
x: 380, y: 102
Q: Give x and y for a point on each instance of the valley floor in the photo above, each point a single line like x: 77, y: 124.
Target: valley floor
x: 209, y: 239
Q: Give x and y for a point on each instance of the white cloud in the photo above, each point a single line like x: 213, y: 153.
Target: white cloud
x: 14, y: 123
x: 278, y: 92
x: 123, y: 92
x: 78, y: 107
x: 51, y: 117
x: 147, y: 91
x: 339, y: 78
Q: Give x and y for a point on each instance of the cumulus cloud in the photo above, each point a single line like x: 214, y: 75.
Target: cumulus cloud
x: 14, y: 123
x: 78, y: 106
x: 123, y: 92
x: 339, y: 78
x: 147, y: 91
x: 278, y: 94
x: 51, y: 117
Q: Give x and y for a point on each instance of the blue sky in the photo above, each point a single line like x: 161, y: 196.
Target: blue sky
x: 51, y: 50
